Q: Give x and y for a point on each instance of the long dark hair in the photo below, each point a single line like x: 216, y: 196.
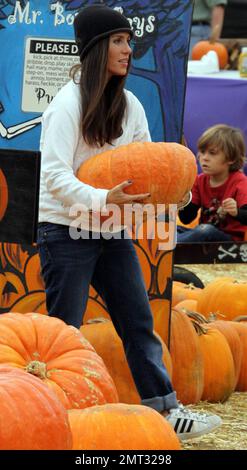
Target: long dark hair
x: 103, y: 102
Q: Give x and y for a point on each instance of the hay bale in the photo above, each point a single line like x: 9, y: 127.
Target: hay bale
x: 209, y: 272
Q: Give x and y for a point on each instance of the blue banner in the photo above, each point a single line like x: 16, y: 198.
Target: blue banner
x: 37, y: 50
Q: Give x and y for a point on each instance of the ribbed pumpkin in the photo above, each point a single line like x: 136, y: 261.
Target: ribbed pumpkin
x: 3, y: 194
x: 59, y: 355
x: 31, y: 416
x: 225, y: 296
x: 241, y: 328
x: 103, y: 337
x: 187, y: 376
x: 166, y: 170
x: 219, y: 370
x: 121, y: 427
x: 235, y: 344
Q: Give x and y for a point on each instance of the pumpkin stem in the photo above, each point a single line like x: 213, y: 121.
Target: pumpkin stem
x: 37, y: 368
x: 199, y: 328
x: 197, y: 317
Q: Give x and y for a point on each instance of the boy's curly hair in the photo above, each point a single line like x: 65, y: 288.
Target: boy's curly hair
x: 229, y: 140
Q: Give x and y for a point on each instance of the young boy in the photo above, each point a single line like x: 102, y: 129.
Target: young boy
x: 220, y: 191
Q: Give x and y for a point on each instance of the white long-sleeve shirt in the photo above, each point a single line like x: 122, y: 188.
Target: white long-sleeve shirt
x: 63, y: 150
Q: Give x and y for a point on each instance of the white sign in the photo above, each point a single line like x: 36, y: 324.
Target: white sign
x: 46, y: 70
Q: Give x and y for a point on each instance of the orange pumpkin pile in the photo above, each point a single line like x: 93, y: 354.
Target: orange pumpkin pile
x: 56, y: 392
x: 222, y: 332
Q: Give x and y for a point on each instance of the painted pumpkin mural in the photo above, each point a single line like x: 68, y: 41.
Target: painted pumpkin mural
x: 22, y: 287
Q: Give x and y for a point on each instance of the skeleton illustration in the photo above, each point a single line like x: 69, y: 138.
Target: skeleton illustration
x: 243, y: 252
x: 13, y: 131
x: 223, y: 253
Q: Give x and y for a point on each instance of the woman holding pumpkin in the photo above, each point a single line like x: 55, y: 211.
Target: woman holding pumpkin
x: 90, y: 114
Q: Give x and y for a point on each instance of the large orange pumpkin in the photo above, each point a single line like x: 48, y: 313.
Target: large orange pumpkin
x: 103, y: 337
x: 225, y: 296
x: 241, y: 328
x: 3, y: 194
x: 187, y: 376
x: 166, y: 170
x: 121, y: 427
x: 219, y: 369
x: 59, y: 355
x: 235, y: 344
x: 32, y: 418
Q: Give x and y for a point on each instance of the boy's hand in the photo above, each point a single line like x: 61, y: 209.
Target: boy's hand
x: 230, y: 207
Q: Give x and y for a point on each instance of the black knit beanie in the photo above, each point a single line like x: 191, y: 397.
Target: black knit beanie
x: 96, y: 22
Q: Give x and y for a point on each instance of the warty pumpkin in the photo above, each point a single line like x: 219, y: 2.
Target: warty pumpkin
x: 59, y: 355
x: 121, y: 426
x: 32, y: 418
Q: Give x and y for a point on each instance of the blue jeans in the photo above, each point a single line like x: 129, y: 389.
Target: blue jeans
x: 201, y: 233
x: 69, y: 266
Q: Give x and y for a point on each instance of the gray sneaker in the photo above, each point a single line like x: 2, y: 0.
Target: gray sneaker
x: 190, y: 424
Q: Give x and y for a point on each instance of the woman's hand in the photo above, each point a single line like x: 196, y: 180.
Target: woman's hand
x: 230, y: 207
x: 117, y: 195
